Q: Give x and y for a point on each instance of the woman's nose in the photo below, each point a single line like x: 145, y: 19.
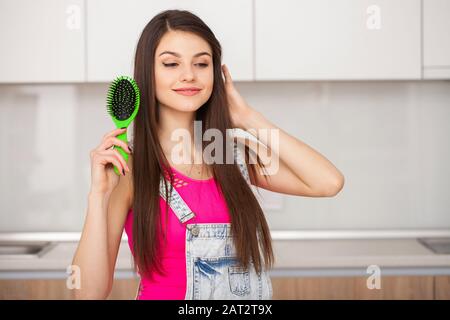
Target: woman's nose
x: 188, y: 73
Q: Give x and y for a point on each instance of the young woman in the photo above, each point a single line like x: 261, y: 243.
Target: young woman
x: 196, y: 230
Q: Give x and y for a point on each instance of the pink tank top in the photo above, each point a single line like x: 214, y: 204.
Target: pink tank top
x: 206, y: 200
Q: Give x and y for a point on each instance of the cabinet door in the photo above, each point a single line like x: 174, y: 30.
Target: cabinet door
x: 442, y: 287
x: 353, y: 288
x: 436, y: 39
x: 346, y: 39
x: 56, y: 289
x: 114, y: 28
x: 42, y: 41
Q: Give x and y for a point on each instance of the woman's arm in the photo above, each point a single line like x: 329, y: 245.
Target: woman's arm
x: 301, y: 170
x: 97, y: 250
x: 91, y: 256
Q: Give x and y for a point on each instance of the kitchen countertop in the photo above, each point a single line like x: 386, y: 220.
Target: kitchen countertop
x: 312, y: 257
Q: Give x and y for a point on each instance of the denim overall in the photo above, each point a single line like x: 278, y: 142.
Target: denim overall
x: 212, y: 268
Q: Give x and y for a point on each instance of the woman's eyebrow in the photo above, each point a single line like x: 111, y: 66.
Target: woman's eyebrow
x: 179, y: 55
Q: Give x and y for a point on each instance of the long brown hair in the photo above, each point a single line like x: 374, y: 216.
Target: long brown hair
x: 248, y: 224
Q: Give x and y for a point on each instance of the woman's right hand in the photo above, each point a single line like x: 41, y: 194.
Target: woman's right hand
x: 103, y: 159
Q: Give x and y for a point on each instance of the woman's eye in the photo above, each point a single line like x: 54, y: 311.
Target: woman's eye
x: 170, y: 65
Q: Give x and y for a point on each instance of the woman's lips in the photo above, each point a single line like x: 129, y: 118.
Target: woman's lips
x: 187, y: 92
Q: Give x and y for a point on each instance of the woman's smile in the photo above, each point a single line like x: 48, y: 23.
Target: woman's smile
x: 187, y: 92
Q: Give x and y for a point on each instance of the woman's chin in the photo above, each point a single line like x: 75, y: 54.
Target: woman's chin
x: 188, y: 107
x: 183, y: 105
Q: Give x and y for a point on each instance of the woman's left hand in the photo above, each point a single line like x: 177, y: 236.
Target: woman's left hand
x: 239, y: 109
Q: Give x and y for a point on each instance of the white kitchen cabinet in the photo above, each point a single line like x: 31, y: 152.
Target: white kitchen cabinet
x: 436, y: 39
x: 114, y: 27
x: 42, y: 41
x: 337, y: 40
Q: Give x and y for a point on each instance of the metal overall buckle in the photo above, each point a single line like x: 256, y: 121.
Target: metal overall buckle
x: 194, y: 229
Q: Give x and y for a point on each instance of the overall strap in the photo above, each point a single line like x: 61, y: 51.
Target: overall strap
x: 179, y: 206
x: 181, y: 209
x: 240, y: 160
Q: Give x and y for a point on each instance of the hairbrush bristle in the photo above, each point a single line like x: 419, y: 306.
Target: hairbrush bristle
x: 122, y: 98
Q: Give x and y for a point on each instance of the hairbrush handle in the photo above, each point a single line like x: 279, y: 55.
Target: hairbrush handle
x: 123, y: 137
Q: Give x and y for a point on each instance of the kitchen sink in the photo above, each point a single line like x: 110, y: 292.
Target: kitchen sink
x: 24, y: 249
x: 437, y: 245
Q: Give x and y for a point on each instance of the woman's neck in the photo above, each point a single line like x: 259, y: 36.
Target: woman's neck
x: 170, y: 121
x: 192, y: 163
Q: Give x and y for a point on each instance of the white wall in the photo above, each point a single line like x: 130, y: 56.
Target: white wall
x: 390, y: 140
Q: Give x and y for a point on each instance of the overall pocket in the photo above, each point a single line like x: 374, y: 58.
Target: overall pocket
x: 239, y: 280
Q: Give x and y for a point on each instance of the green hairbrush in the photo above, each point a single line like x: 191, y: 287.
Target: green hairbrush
x: 122, y: 105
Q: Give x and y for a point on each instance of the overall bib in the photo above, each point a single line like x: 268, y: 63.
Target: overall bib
x: 212, y: 268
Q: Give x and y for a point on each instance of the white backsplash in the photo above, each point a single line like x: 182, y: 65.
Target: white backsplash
x: 390, y: 139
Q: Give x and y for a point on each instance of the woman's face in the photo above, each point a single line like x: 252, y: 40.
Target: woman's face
x: 189, y: 65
